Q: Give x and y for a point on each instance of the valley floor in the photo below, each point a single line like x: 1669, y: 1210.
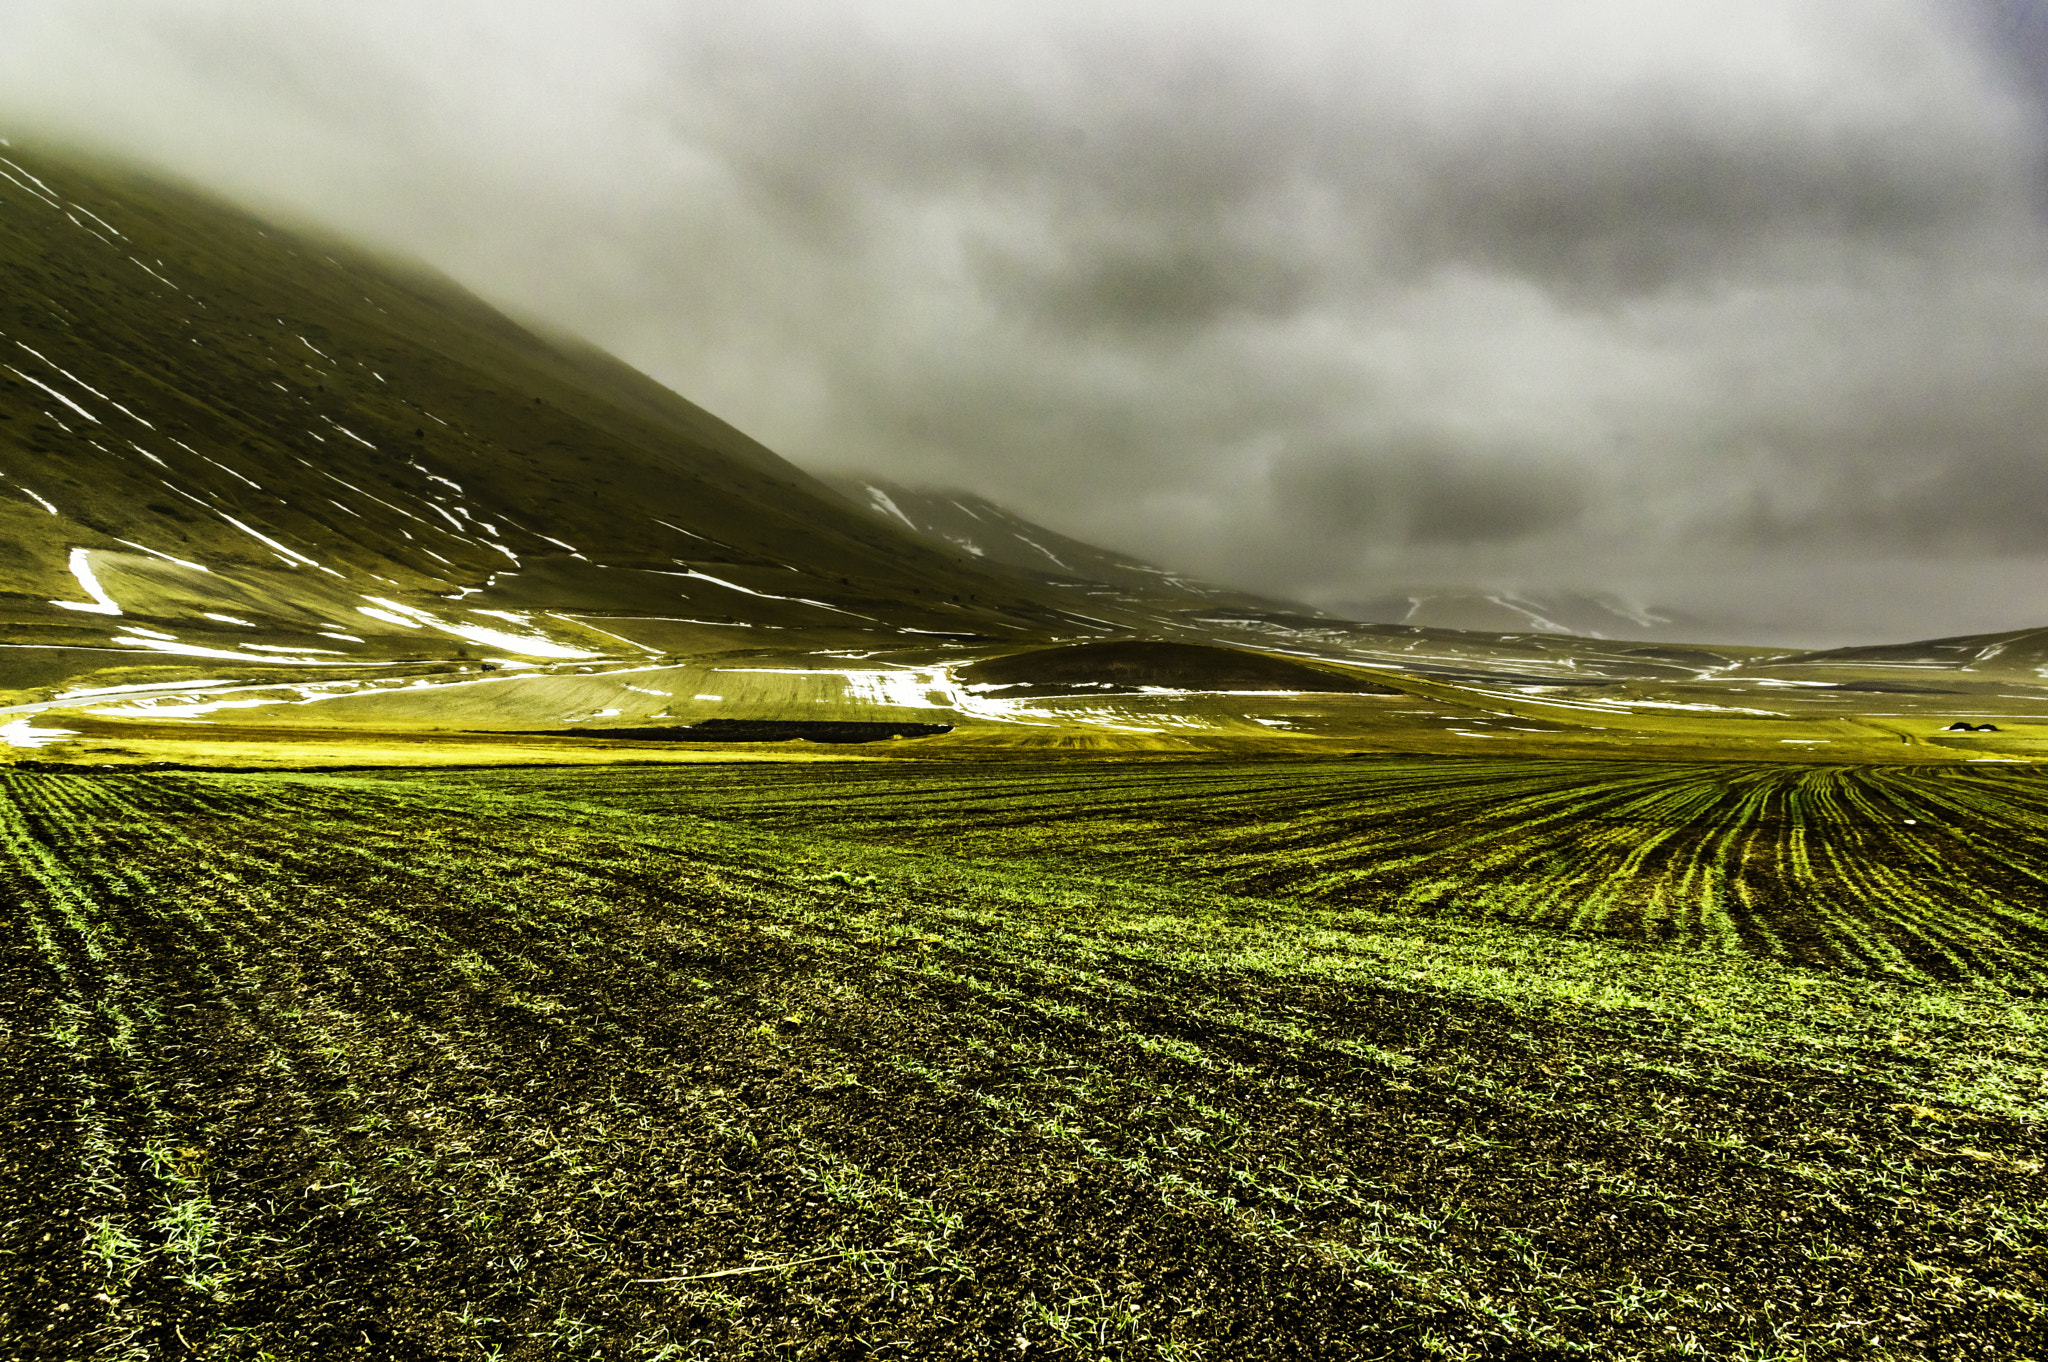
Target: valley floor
x: 1389, y: 1056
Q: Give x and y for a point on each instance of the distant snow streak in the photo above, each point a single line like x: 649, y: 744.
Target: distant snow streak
x: 765, y: 595
x: 881, y: 502
x: 197, y: 567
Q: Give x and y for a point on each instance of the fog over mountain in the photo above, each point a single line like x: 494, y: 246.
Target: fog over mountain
x: 1737, y: 308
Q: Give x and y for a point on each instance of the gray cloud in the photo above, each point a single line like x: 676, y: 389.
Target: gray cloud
x: 1325, y: 299
x: 1423, y: 493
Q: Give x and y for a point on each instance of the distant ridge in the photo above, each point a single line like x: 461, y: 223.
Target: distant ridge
x: 1583, y: 614
x: 974, y: 525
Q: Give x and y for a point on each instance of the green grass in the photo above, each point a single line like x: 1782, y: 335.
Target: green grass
x: 710, y: 1062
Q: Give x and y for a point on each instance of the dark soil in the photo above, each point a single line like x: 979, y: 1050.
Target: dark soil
x: 760, y: 730
x: 1179, y: 666
x: 318, y: 1068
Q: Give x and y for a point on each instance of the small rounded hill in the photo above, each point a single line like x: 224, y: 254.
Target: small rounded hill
x: 1084, y: 667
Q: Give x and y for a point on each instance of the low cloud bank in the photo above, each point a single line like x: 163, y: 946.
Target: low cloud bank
x: 1740, y: 301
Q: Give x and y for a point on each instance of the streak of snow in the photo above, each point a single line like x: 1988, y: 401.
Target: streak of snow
x: 707, y: 697
x: 50, y: 199
x: 192, y: 710
x: 143, y: 685
x: 526, y: 645
x: 83, y: 228
x: 910, y: 688
x: 1715, y: 709
x: 81, y: 383
x: 586, y: 624
x: 372, y: 496
x: 766, y: 595
x: 97, y: 218
x: 881, y: 502
x: 54, y: 393
x: 21, y: 733
x: 38, y: 183
x: 64, y: 371
x: 39, y: 501
x: 192, y: 650
x: 1100, y: 718
x: 329, y: 633
x: 227, y: 619
x: 1046, y: 551
x: 290, y: 554
x: 1527, y: 612
x: 232, y: 473
x: 102, y: 603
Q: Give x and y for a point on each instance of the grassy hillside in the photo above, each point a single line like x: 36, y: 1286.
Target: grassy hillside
x: 239, y: 423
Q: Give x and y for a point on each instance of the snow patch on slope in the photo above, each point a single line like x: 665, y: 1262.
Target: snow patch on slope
x: 101, y: 603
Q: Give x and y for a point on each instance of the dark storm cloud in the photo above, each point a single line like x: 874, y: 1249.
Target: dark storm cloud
x: 1321, y: 298
x: 1421, y: 493
x: 1971, y: 480
x: 1148, y: 286
x: 1663, y: 196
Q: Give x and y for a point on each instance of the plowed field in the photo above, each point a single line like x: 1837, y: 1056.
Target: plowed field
x: 1924, y: 872
x: 1191, y: 1062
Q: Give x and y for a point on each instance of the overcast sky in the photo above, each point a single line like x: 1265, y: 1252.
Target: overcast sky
x: 1738, y: 305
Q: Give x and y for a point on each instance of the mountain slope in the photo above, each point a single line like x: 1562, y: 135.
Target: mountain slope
x: 210, y: 426
x: 1573, y: 613
x: 224, y: 444
x: 975, y: 525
